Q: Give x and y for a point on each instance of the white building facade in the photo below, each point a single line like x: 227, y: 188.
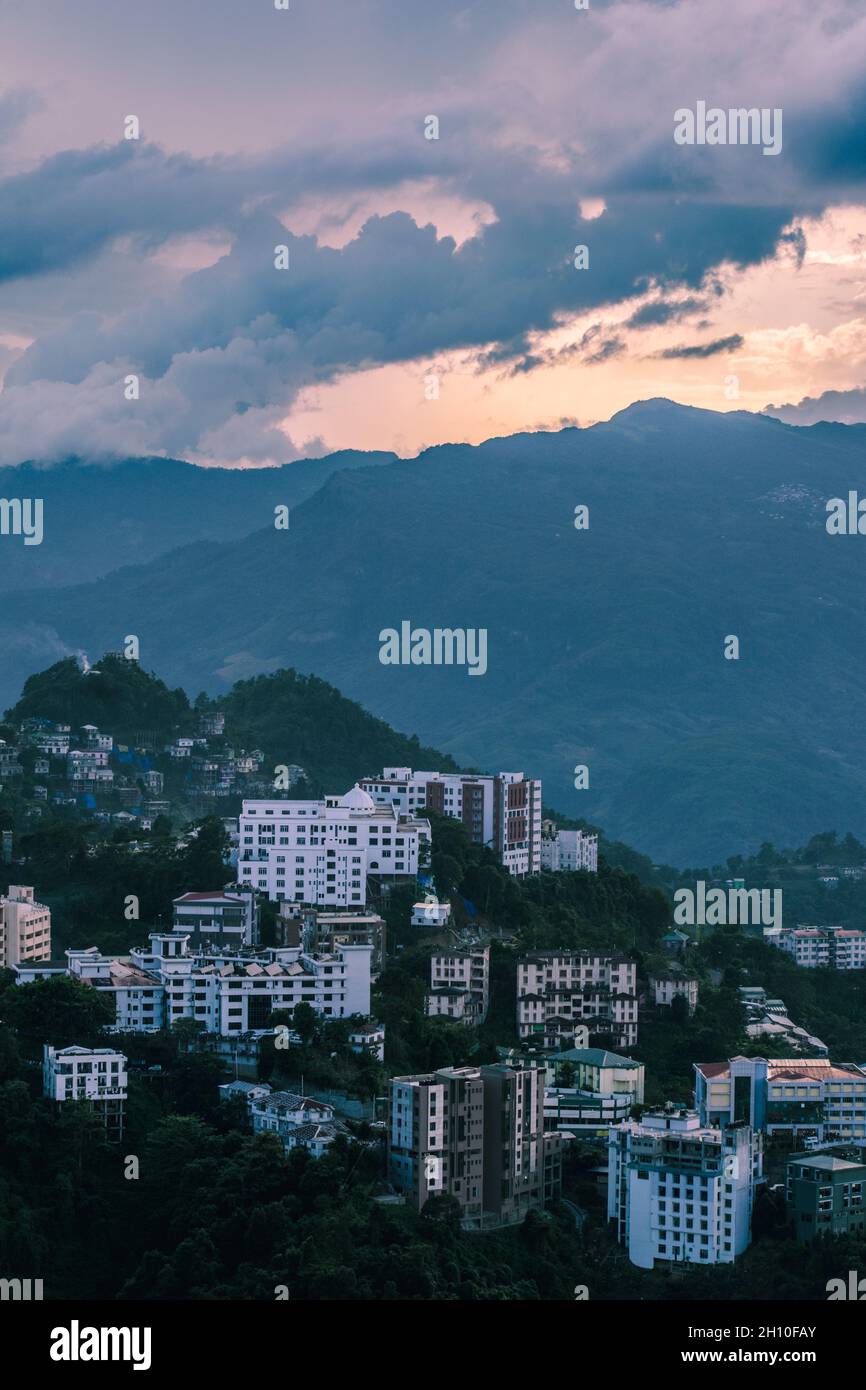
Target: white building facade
x: 501, y: 811
x: 563, y: 850
x: 96, y: 1076
x: 460, y: 985
x: 682, y: 1192
x: 555, y: 990
x: 320, y: 853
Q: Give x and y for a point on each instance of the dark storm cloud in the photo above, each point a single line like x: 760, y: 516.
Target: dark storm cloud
x: 729, y: 344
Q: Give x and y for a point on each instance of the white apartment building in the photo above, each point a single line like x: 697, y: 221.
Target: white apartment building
x: 227, y: 991
x: 834, y: 948
x: 95, y: 1075
x: 666, y: 986
x: 321, y: 852
x: 563, y: 850
x: 502, y: 811
x: 235, y: 993
x: 138, y: 994
x: 55, y: 744
x: 557, y: 989
x: 460, y: 985
x: 25, y: 928
x: 680, y: 1191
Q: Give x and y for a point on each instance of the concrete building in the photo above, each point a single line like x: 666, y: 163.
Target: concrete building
x: 369, y: 1037
x: 229, y: 992
x: 95, y: 1076
x: 218, y: 918
x: 436, y: 1138
x: 833, y: 948
x: 324, y: 931
x: 321, y: 853
x: 825, y: 1196
x: 476, y: 1134
x: 589, y: 1089
x: 502, y: 811
x: 668, y: 985
x: 556, y: 989
x: 681, y: 1191
x: 460, y: 985
x: 571, y: 850
x: 803, y: 1098
x: 25, y: 928
x: 430, y: 913
x: 236, y: 993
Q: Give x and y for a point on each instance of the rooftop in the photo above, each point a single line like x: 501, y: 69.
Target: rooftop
x: 826, y: 1163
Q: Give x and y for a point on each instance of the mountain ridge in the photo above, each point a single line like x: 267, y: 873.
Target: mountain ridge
x: 606, y: 646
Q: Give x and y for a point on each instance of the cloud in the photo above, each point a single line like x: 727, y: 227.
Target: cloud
x: 224, y: 351
x: 661, y: 311
x: 846, y: 407
x: 729, y: 344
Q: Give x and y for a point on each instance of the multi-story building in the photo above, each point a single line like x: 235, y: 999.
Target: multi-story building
x: 476, y: 1134
x: 668, y: 985
x: 568, y: 849
x: 460, y: 985
x: 807, y: 1097
x: 588, y: 1089
x: 826, y: 1196
x: 321, y: 852
x: 94, y: 1075
x: 502, y: 811
x: 556, y: 989
x: 137, y: 993
x: 9, y: 764
x: 679, y: 1190
x: 834, y: 948
x: 25, y: 928
x: 522, y: 1161
x: 227, y: 991
x: 231, y: 992
x: 92, y: 738
x: 227, y: 918
x: 436, y: 1137
x: 323, y: 931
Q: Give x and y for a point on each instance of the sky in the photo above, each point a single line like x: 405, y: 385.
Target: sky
x: 431, y: 293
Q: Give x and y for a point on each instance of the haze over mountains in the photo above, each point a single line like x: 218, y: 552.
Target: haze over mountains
x: 605, y: 645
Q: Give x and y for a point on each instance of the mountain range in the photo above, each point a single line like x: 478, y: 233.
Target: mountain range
x: 606, y: 645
